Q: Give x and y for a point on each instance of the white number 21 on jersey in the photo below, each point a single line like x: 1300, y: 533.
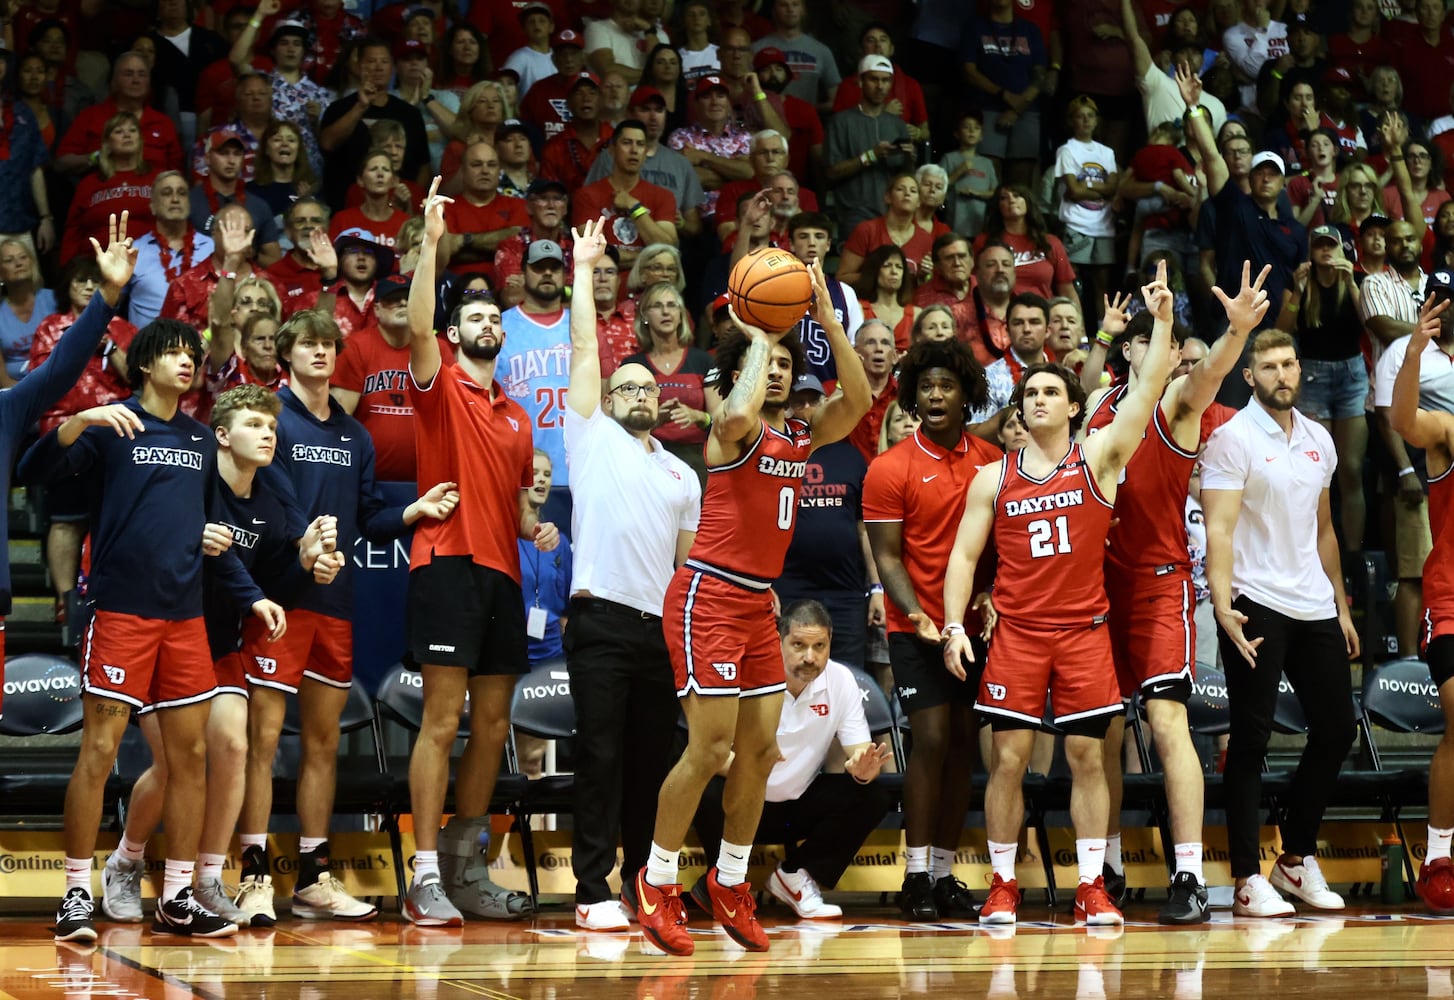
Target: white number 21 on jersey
x: 1041, y: 534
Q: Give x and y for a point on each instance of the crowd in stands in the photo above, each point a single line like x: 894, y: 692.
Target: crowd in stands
x: 997, y: 174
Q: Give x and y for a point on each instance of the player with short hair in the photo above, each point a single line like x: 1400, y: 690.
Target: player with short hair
x: 146, y: 646
x: 1433, y: 430
x: 324, y: 465
x: 253, y: 524
x: 466, y: 614
x: 718, y: 615
x: 1049, y: 510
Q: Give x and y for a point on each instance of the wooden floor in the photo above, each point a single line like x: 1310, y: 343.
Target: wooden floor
x: 1363, y: 955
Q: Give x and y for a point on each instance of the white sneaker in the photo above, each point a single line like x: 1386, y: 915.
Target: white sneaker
x: 1306, y: 882
x: 255, y: 898
x: 603, y: 916
x: 799, y: 891
x: 327, y: 900
x: 1257, y: 898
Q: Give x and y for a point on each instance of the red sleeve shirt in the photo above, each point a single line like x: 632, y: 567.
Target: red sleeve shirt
x: 481, y: 440
x: 189, y: 295
x: 96, y: 200
x: 298, y: 286
x: 383, y: 233
x: 597, y: 200
x: 379, y: 373
x: 100, y: 383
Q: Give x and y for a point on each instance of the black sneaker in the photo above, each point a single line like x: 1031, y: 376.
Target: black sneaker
x: 73, y: 916
x: 1188, y: 902
x: 186, y: 917
x: 629, y: 902
x: 1115, y: 885
x: 255, y: 863
x: 916, y: 898
x: 952, y: 898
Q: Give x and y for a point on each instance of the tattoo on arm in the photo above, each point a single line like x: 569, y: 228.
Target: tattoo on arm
x: 752, y: 376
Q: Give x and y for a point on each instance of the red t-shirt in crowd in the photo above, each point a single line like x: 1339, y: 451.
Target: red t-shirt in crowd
x: 379, y: 372
x: 873, y: 233
x: 1035, y: 271
x: 160, y: 146
x: 596, y: 200
x: 383, y: 233
x: 96, y: 200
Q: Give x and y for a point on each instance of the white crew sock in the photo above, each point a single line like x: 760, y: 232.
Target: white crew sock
x: 1090, y: 855
x: 941, y: 862
x: 661, y: 866
x: 177, y: 876
x: 1113, y: 854
x: 1189, y: 859
x: 732, y: 864
x: 916, y: 860
x: 1002, y: 859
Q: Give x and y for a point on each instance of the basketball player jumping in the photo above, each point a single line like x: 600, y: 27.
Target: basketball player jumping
x: 718, y: 615
x: 1049, y: 508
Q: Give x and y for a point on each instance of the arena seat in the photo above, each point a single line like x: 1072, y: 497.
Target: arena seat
x: 542, y: 707
x: 42, y: 698
x: 878, y: 711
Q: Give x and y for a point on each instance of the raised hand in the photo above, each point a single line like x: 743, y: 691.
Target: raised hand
x: 753, y: 210
x: 1159, y: 299
x: 822, y: 307
x: 748, y: 330
x: 433, y: 206
x: 1190, y: 85
x: 320, y: 249
x: 1113, y: 314
x: 1430, y: 323
x: 1245, y: 312
x: 268, y: 8
x: 233, y: 236
x: 118, y: 260
x: 589, y: 245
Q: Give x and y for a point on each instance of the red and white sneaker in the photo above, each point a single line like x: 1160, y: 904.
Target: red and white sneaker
x: 999, y: 907
x: 733, y: 907
x: 663, y: 916
x: 1436, y: 885
x: 1093, y: 906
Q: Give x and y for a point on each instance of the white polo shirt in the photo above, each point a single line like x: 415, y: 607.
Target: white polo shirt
x: 1436, y: 376
x: 1275, y: 546
x: 830, y: 706
x: 628, y: 506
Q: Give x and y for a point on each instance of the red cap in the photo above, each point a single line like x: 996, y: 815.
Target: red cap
x: 585, y: 76
x: 643, y: 95
x: 411, y: 48
x: 720, y: 302
x: 767, y: 57
x: 219, y: 139
x: 567, y: 37
x: 707, y: 84
x: 1337, y: 76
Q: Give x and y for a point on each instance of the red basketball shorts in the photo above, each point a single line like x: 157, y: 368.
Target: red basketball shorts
x: 1153, y: 633
x: 314, y: 646
x: 231, y: 672
x: 722, y: 638
x: 148, y: 663
x: 1073, y: 664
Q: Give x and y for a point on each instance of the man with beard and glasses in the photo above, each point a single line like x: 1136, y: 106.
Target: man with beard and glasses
x: 635, y: 513
x: 466, y: 613
x: 535, y: 366
x: 1277, y: 590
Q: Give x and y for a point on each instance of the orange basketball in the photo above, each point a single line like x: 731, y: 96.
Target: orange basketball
x: 771, y: 289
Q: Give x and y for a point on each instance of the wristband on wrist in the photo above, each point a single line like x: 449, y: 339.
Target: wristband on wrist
x: 1104, y: 339
x: 1055, y: 67
x: 759, y: 96
x: 254, y: 23
x: 1292, y: 307
x: 1405, y: 471
x: 1193, y: 112
x: 951, y: 629
x: 229, y: 275
x: 875, y: 588
x: 1395, y: 159
x: 639, y: 211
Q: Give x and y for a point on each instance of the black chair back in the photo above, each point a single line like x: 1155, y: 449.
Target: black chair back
x: 1207, y: 708
x: 1398, y: 695
x: 42, y: 696
x: 542, y: 705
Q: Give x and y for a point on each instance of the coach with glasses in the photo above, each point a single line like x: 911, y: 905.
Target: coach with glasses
x: 635, y: 515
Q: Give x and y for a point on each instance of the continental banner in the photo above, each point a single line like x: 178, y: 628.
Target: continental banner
x: 32, y: 861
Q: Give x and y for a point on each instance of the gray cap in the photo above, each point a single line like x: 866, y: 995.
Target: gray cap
x: 808, y: 383
x: 545, y: 250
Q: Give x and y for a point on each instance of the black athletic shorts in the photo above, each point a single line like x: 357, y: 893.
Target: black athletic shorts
x: 923, y: 681
x: 465, y: 615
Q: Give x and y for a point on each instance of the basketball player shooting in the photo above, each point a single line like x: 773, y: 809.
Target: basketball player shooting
x: 718, y: 615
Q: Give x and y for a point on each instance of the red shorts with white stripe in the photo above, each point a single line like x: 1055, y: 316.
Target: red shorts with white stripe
x: 722, y: 637
x: 231, y: 671
x: 148, y: 663
x: 314, y: 646
x: 1154, y: 636
x: 1073, y: 664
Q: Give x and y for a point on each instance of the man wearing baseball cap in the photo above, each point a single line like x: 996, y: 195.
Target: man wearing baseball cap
x: 715, y: 145
x: 361, y: 262
x: 545, y: 105
x: 663, y: 166
x: 532, y: 61
x: 547, y: 204
x: 1249, y: 225
x: 223, y: 186
x: 865, y: 146
x: 568, y: 156
x: 906, y: 97
x: 815, y: 70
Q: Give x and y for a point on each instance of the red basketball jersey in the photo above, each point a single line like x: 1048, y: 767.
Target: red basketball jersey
x: 1439, y: 567
x: 751, y: 506
x: 1150, y: 499
x: 1051, y: 538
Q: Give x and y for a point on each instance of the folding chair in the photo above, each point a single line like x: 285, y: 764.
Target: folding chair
x: 542, y: 707
x: 42, y: 698
x: 879, y: 713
